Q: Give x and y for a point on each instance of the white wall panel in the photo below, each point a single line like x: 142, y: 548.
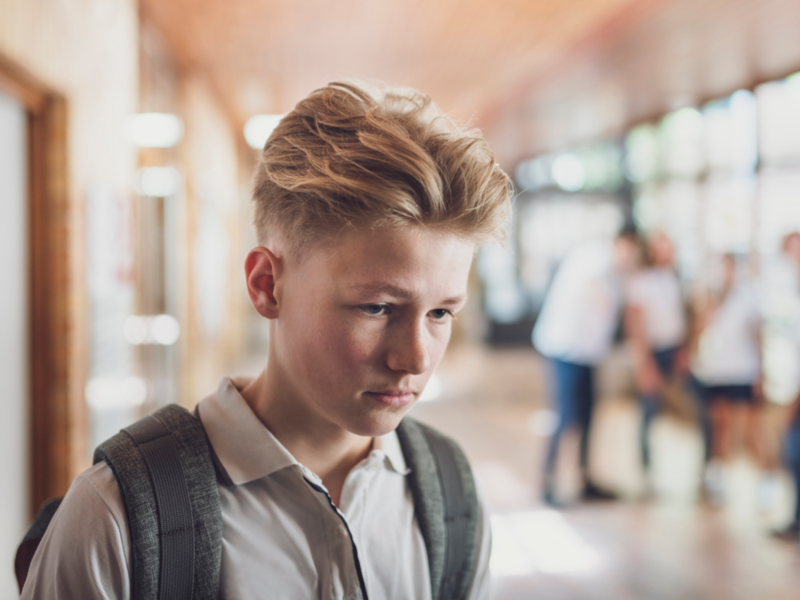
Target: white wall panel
x: 14, y: 467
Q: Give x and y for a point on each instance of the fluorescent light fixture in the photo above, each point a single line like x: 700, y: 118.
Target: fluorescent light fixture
x: 154, y: 130
x: 258, y: 129
x: 163, y: 330
x: 158, y: 182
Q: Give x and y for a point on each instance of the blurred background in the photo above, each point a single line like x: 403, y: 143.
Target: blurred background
x: 129, y: 131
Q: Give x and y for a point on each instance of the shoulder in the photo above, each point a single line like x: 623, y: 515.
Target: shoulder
x: 96, y: 496
x: 85, y: 551
x: 99, y: 480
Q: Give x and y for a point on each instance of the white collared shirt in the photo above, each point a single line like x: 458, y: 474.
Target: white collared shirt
x: 581, y: 309
x: 657, y: 292
x: 282, y: 537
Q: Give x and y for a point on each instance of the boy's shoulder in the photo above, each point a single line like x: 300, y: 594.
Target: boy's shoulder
x: 86, y: 543
x: 102, y: 501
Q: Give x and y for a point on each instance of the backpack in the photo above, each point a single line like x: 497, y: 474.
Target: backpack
x: 168, y: 476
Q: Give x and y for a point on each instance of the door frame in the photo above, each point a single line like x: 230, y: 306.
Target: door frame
x: 57, y: 415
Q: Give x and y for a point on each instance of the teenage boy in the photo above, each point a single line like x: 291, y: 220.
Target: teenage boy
x: 369, y: 204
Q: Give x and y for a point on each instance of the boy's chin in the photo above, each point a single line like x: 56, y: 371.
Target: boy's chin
x: 378, y: 425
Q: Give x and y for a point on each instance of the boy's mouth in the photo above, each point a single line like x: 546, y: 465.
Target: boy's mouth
x: 395, y: 398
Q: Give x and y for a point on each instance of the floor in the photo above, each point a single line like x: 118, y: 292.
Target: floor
x: 670, y: 546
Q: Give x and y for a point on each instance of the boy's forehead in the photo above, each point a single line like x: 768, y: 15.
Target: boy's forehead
x: 402, y: 292
x: 400, y: 263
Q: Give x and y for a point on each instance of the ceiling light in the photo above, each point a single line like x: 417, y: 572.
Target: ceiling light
x: 154, y: 130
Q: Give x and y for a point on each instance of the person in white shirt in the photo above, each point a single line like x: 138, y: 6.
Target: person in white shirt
x: 369, y: 205
x: 655, y: 324
x: 791, y: 303
x: 727, y: 362
x: 575, y: 330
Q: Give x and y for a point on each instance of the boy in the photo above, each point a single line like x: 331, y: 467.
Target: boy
x: 368, y: 208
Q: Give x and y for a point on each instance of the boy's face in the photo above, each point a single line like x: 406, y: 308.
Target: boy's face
x: 363, y: 323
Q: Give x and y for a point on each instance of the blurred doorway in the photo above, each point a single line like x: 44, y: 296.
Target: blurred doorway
x: 14, y: 442
x: 39, y: 424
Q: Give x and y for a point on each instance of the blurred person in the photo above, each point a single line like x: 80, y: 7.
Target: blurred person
x: 369, y: 205
x: 575, y: 330
x: 655, y: 325
x: 791, y: 532
x: 728, y: 364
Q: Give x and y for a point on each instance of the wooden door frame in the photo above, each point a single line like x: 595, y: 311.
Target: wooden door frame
x: 54, y: 420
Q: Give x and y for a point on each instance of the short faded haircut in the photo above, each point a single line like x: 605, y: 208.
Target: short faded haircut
x: 354, y: 155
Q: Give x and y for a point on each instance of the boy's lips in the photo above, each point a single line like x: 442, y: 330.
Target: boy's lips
x: 394, y: 397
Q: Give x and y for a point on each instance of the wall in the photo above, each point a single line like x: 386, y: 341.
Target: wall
x: 207, y: 222
x: 214, y: 296
x: 13, y: 338
x: 85, y: 51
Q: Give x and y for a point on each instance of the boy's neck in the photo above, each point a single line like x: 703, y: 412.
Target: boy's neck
x: 326, y: 449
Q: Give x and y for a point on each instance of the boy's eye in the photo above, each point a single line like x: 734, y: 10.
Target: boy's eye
x: 440, y: 313
x: 375, y: 310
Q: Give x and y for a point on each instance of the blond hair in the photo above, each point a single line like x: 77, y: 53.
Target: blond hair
x: 352, y: 155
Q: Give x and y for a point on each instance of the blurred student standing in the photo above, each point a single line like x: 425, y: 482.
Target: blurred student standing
x: 575, y: 330
x: 655, y: 323
x: 791, y: 250
x: 728, y: 365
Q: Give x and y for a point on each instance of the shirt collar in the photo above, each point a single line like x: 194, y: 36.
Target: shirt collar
x: 247, y: 450
x: 389, y: 446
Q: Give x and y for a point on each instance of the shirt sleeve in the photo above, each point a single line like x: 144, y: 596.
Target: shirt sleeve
x: 482, y: 584
x: 85, y: 550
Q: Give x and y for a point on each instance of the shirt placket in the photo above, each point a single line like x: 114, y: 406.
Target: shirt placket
x: 347, y: 577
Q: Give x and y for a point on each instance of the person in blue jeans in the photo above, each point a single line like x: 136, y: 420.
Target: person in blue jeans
x: 575, y: 330
x: 791, y: 531
x: 575, y: 398
x: 666, y: 362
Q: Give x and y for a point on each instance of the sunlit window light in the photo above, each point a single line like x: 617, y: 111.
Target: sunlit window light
x: 568, y: 172
x: 158, y: 182
x: 539, y: 541
x: 258, y: 129
x: 641, y: 161
x: 535, y: 173
x: 154, y: 130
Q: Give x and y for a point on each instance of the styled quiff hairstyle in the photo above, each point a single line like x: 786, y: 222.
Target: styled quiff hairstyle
x: 350, y: 155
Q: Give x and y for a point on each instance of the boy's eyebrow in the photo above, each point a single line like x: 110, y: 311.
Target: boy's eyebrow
x: 401, y: 292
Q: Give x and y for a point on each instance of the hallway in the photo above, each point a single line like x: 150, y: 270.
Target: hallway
x: 130, y: 132
x: 665, y: 549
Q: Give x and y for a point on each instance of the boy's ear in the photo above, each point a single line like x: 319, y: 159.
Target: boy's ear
x: 263, y: 270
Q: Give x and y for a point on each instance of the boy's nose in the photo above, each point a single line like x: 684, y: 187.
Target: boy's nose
x: 409, y: 352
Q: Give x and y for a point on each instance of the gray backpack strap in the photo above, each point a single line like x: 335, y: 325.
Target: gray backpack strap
x: 169, y: 488
x: 446, y: 507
